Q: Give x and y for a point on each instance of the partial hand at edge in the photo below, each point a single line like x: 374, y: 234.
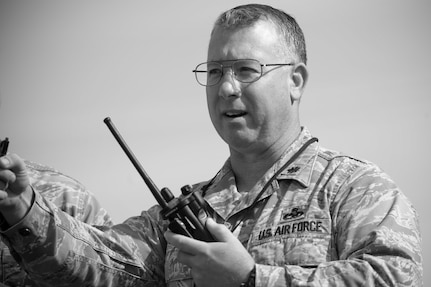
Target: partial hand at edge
x: 16, y: 194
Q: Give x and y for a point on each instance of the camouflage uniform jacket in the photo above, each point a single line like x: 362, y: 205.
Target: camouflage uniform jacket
x: 326, y: 220
x: 66, y: 193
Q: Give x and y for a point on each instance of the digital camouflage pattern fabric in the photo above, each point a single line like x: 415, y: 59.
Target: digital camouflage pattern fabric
x: 68, y: 195
x: 326, y: 220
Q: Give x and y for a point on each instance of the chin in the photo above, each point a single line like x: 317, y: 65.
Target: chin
x: 239, y: 142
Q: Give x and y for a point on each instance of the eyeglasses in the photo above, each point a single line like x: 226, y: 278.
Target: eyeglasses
x: 244, y: 70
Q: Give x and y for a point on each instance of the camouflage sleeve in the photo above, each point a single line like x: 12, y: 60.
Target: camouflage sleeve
x: 79, y: 203
x: 58, y: 250
x: 92, y: 212
x: 67, y: 194
x: 376, y: 238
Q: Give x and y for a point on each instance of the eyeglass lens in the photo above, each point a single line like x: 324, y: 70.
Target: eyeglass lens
x: 210, y: 73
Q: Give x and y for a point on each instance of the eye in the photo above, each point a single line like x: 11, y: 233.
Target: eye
x: 214, y: 71
x: 247, y: 69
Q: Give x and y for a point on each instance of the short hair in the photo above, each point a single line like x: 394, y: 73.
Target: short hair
x: 247, y: 15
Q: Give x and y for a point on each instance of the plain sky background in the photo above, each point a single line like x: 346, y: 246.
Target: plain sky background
x: 66, y: 65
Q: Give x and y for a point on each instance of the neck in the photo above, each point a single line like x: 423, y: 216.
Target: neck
x: 249, y: 167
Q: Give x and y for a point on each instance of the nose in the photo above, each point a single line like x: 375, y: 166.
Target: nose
x: 229, y: 86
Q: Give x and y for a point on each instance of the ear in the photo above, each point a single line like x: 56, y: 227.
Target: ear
x: 298, y: 80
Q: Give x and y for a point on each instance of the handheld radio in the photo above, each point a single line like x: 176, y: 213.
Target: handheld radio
x: 187, y: 214
x: 4, y: 144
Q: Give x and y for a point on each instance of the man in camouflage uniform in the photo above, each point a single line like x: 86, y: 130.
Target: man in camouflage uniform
x: 285, y: 211
x: 68, y: 195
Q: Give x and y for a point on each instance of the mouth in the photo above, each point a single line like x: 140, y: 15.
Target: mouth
x: 234, y: 114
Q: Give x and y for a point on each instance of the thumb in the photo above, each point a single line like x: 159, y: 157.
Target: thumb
x: 220, y: 232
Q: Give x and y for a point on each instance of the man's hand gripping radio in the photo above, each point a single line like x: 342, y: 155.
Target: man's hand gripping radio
x: 187, y: 214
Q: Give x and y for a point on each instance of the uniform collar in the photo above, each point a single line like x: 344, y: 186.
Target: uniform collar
x: 223, y: 196
x: 301, y: 169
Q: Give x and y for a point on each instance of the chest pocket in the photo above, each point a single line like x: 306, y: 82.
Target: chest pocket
x: 304, y: 241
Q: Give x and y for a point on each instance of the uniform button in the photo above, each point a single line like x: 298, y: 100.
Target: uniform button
x: 228, y: 225
x: 24, y: 231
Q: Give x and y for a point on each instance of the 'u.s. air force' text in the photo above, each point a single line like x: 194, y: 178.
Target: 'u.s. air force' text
x: 290, y: 228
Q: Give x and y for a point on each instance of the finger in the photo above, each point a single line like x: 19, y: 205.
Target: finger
x: 13, y: 170
x: 219, y: 231
x: 12, y: 162
x: 5, y: 173
x: 6, y: 178
x: 184, y: 243
x: 4, y: 185
x: 3, y: 195
x: 4, y: 162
